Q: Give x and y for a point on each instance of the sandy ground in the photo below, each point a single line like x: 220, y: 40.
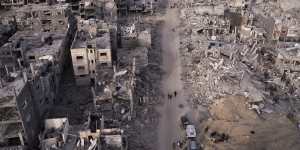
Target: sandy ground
x: 170, y: 111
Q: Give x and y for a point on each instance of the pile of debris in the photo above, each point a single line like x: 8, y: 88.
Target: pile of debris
x: 221, y: 58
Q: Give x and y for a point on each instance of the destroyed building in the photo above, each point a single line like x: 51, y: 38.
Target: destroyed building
x: 126, y: 6
x: 18, y: 3
x: 40, y: 69
x: 102, y: 134
x: 142, y: 5
x: 39, y: 17
x: 93, y: 9
x: 19, y: 115
x: 288, y: 59
x: 113, y: 92
x: 287, y: 29
x: 31, y: 66
x: 55, y: 134
x: 131, y: 36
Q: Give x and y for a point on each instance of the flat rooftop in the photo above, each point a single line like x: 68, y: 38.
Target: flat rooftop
x: 10, y: 90
x: 100, y: 40
x: 39, y: 43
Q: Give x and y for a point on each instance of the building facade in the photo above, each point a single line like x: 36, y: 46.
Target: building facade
x: 90, y: 49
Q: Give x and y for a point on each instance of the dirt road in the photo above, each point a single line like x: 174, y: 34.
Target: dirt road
x: 170, y: 111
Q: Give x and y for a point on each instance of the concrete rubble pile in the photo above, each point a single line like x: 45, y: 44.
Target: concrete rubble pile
x: 218, y: 61
x: 245, y: 49
x: 209, y: 73
x: 140, y: 57
x: 118, y: 84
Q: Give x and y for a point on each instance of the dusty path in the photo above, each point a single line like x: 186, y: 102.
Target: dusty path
x: 169, y: 131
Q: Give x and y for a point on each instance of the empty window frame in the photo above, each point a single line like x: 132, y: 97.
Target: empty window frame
x: 103, y: 54
x: 104, y: 64
x: 89, y: 46
x: 31, y: 57
x: 79, y: 57
x: 80, y: 67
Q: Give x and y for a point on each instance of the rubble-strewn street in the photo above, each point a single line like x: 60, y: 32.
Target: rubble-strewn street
x: 149, y: 74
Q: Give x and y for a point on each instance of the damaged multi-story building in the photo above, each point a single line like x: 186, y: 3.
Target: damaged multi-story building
x: 96, y: 9
x: 19, y: 124
x: 98, y: 133
x: 19, y: 3
x: 91, y: 51
x: 41, y: 77
x: 31, y: 65
x: 127, y: 6
x: 39, y: 17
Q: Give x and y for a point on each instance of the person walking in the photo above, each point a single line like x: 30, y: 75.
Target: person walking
x: 175, y: 93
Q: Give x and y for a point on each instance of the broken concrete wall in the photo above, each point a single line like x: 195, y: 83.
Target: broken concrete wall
x: 44, y: 91
x: 30, y: 116
x: 58, y: 124
x: 6, y: 31
x: 144, y: 38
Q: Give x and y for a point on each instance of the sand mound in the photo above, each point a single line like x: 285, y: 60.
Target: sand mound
x: 234, y: 127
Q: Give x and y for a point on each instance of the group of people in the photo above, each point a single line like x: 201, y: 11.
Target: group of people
x: 172, y: 94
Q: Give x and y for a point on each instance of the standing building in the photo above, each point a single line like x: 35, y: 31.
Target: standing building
x: 90, y: 50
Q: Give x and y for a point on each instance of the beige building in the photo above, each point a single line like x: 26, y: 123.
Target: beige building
x: 90, y: 50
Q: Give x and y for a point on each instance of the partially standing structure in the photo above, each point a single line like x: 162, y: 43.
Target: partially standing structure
x: 30, y: 72
x: 19, y: 121
x: 91, y: 51
x: 102, y: 134
x: 55, y: 134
